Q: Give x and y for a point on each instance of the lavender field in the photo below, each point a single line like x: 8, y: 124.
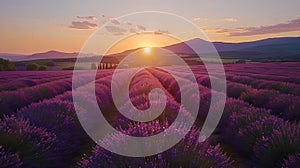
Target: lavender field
x: 259, y: 126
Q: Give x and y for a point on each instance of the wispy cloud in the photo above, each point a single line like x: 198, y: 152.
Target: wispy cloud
x: 231, y: 20
x: 292, y: 25
x: 289, y: 26
x: 200, y: 19
x: 128, y: 23
x: 158, y: 32
x: 82, y: 25
x: 114, y: 21
x: 86, y: 17
x: 115, y: 30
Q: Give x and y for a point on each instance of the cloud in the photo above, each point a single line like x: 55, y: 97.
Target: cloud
x: 114, y: 21
x: 82, y: 25
x: 127, y: 23
x: 292, y: 25
x: 140, y: 27
x: 231, y: 20
x: 158, y: 32
x: 115, y: 30
x: 200, y: 19
x: 289, y: 26
x: 86, y: 17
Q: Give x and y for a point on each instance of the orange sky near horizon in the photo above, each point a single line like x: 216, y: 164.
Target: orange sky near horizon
x: 32, y: 26
x: 142, y: 40
x: 66, y: 40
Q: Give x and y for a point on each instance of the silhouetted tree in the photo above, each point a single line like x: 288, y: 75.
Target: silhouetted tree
x: 93, y: 66
x: 32, y: 66
x: 6, y: 65
x: 43, y: 68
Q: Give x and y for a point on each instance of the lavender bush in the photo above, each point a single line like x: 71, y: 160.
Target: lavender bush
x: 8, y: 159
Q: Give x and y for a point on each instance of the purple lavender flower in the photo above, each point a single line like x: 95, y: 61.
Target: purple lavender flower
x: 272, y: 151
x: 189, y: 152
x: 8, y: 159
x: 292, y: 161
x: 248, y: 136
x: 36, y: 147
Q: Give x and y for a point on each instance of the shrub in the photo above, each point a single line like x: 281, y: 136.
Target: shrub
x: 292, y: 113
x: 271, y: 152
x: 248, y: 136
x: 241, y: 119
x: 58, y: 117
x: 8, y: 159
x: 259, y: 98
x: 68, y: 68
x: 32, y: 66
x: 42, y: 68
x: 6, y: 65
x: 235, y: 90
x: 292, y: 161
x: 36, y: 147
x: 280, y: 104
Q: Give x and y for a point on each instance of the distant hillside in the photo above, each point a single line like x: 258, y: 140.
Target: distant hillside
x: 38, y: 56
x: 262, y: 50
x: 273, y: 49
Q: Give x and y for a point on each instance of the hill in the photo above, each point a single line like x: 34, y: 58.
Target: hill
x: 272, y: 49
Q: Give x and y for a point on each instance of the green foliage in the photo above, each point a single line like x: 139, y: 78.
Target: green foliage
x: 68, y: 68
x: 32, y: 66
x: 6, y: 65
x: 43, y: 68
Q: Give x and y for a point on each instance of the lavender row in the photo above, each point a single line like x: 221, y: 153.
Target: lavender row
x: 27, y: 145
x: 10, y: 101
x: 282, y: 87
x: 212, y: 156
x: 28, y: 82
x: 282, y: 105
x: 286, y: 78
x: 57, y: 116
x: 189, y: 152
x: 272, y: 69
x: 9, y: 76
x: 244, y: 126
x: 267, y: 141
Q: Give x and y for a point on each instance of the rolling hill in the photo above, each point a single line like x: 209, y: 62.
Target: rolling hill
x: 272, y: 49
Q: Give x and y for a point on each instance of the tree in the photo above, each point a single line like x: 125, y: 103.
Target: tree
x: 32, y: 66
x: 93, y: 66
x: 6, y: 65
x: 43, y: 68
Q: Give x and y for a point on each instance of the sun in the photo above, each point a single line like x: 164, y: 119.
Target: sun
x: 147, y: 50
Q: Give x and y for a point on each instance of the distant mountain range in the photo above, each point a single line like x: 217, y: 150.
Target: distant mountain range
x: 267, y: 49
x: 37, y: 56
x: 287, y: 48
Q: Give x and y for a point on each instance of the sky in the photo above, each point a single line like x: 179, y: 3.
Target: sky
x: 33, y: 26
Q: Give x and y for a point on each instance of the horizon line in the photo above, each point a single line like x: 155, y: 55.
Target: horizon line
x: 72, y: 52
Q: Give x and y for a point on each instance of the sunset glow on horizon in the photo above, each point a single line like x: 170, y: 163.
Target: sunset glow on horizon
x: 143, y: 40
x: 32, y: 26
